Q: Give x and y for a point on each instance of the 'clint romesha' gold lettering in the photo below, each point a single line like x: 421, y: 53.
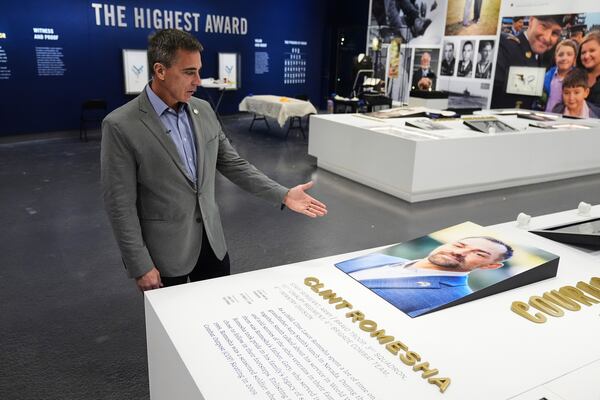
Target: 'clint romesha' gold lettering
x: 395, y: 347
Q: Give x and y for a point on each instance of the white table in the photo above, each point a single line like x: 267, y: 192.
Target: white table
x: 409, y: 164
x: 277, y: 107
x: 212, y: 339
x: 221, y: 87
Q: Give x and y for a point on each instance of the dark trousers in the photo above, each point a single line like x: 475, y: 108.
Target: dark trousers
x: 208, y: 266
x: 477, y: 9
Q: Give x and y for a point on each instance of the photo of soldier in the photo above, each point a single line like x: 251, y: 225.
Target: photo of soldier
x: 448, y: 59
x: 516, y: 26
x: 577, y: 32
x: 483, y: 69
x: 465, y: 65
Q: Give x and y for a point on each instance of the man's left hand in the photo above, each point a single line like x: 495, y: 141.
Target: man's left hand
x: 297, y: 200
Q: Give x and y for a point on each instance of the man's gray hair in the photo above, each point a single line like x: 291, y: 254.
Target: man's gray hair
x: 163, y: 46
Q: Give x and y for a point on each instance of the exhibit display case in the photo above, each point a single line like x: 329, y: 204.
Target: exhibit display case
x: 423, y: 164
x: 309, y: 330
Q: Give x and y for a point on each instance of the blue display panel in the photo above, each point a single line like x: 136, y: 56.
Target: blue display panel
x: 54, y: 55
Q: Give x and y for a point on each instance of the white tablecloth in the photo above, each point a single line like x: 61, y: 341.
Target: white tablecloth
x: 277, y: 107
x: 220, y: 86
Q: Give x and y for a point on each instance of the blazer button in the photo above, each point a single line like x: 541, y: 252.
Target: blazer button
x: 198, y: 220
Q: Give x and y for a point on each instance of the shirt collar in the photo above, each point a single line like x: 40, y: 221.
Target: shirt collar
x: 586, y: 110
x: 158, y: 104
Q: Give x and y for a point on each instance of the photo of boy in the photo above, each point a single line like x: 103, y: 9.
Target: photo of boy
x: 565, y: 57
x: 575, y: 90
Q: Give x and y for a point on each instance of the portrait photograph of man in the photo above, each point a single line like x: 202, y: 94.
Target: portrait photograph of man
x: 448, y: 59
x: 465, y: 64
x: 426, y: 63
x: 483, y: 68
x: 429, y: 272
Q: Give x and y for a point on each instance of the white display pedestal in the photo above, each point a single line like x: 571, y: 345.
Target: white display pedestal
x: 265, y: 334
x: 415, y: 168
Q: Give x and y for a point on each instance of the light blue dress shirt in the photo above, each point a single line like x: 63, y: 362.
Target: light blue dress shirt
x: 178, y: 126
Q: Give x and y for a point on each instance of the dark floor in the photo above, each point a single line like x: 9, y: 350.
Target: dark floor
x: 72, y: 324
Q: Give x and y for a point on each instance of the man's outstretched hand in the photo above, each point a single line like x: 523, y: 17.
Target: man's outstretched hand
x: 297, y: 200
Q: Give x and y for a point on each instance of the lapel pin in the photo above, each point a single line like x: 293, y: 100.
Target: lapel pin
x: 195, y: 111
x: 528, y: 54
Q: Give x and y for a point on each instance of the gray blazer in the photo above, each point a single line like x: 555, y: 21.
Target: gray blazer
x: 156, y: 212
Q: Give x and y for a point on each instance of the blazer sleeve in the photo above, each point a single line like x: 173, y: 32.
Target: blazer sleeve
x: 246, y: 175
x: 119, y: 190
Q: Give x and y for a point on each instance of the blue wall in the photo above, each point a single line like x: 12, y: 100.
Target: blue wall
x: 92, y: 54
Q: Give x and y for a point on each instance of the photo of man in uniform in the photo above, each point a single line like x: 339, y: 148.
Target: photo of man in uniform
x: 465, y: 65
x: 577, y: 32
x: 421, y: 285
x: 449, y: 59
x: 517, y: 26
x: 526, y: 49
x: 483, y: 70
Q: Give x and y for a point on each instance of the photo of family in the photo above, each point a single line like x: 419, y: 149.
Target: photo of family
x: 448, y: 267
x: 564, y: 47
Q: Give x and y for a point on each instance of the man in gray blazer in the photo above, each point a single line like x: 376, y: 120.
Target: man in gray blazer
x: 159, y: 156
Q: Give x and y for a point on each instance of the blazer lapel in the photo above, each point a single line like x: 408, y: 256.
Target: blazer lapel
x: 154, y: 125
x: 200, y: 142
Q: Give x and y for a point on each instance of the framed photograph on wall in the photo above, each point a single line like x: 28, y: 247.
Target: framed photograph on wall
x: 230, y: 70
x: 135, y: 70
